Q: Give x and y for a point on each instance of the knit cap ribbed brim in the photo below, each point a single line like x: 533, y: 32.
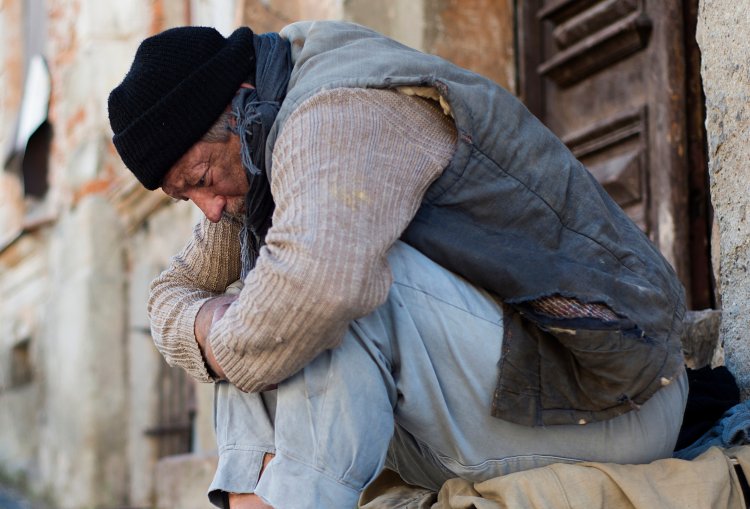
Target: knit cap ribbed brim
x: 180, y: 82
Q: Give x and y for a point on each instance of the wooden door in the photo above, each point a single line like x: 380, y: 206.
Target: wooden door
x: 613, y: 79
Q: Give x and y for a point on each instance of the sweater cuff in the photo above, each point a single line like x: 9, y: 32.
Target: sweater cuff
x: 230, y: 364
x: 190, y: 358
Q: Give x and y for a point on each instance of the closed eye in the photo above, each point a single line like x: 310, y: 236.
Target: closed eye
x: 203, y: 180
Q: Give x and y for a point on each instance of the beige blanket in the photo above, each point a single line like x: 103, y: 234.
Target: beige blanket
x: 709, y: 481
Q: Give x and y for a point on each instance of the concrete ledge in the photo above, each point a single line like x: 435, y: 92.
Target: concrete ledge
x: 700, y: 339
x: 183, y: 480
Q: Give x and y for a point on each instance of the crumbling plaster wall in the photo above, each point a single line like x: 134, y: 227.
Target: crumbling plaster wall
x: 24, y: 284
x: 82, y: 448
x: 724, y: 38
x: 11, y: 84
x: 70, y: 430
x: 150, y: 249
x: 475, y: 34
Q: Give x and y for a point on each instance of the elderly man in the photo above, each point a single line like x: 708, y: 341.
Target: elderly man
x: 428, y: 280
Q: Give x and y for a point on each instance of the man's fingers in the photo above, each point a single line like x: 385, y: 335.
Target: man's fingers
x: 220, y: 310
x: 207, y: 315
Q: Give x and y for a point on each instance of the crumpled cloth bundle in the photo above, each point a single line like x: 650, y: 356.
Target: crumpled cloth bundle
x: 733, y: 429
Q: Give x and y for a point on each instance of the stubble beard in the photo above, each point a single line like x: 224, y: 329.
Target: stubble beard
x: 235, y: 208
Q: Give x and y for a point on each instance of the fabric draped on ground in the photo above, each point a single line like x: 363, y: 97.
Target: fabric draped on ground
x: 711, y: 480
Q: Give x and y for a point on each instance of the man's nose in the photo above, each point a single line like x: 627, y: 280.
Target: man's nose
x: 210, y: 204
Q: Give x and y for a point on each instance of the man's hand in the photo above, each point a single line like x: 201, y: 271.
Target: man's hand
x: 211, y: 312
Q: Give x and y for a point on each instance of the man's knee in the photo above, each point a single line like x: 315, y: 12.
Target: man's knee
x: 250, y: 500
x: 246, y: 501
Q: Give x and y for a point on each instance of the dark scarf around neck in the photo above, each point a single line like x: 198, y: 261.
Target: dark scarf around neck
x: 255, y: 111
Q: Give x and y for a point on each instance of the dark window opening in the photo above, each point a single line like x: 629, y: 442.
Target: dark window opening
x: 28, y: 155
x: 35, y: 165
x: 21, y: 372
x: 176, y: 414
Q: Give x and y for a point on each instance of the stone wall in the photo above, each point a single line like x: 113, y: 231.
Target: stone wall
x: 24, y: 283
x: 72, y: 421
x: 724, y: 39
x: 149, y: 250
x: 83, y: 434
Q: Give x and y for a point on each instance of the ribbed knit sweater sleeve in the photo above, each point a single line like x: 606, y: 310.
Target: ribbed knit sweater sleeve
x: 350, y: 168
x: 203, y: 269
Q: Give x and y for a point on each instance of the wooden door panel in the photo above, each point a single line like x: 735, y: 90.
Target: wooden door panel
x: 615, y: 152
x: 592, y: 39
x: 607, y: 76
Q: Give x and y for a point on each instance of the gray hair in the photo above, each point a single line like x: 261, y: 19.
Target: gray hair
x: 220, y: 130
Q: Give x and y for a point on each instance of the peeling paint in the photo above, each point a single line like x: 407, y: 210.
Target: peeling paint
x: 95, y: 186
x: 157, y: 16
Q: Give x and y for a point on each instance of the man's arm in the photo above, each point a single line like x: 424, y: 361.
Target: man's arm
x: 210, y: 312
x: 185, y: 297
x: 349, y: 173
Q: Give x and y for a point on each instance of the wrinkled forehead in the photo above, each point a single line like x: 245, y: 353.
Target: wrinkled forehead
x: 176, y: 179
x: 173, y: 182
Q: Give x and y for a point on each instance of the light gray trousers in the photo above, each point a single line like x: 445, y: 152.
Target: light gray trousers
x: 410, y: 388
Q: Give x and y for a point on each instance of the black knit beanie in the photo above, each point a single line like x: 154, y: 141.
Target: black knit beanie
x: 180, y: 82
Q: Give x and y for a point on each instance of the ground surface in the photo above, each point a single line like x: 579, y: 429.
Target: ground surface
x: 11, y: 499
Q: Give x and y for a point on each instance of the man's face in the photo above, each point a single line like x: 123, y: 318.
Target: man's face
x: 210, y: 175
